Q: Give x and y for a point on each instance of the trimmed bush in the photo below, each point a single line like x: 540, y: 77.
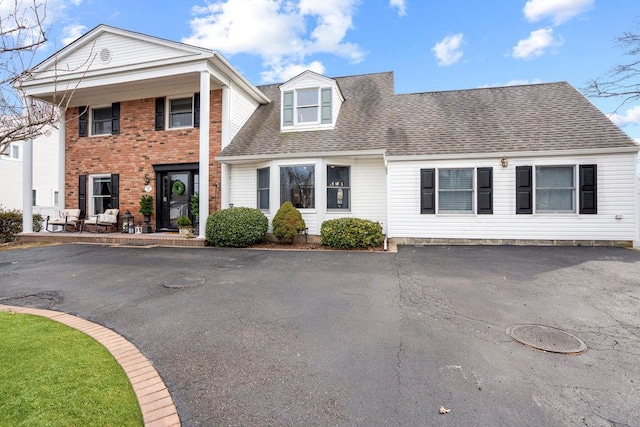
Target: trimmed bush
x: 11, y: 224
x: 287, y: 222
x: 349, y: 233
x: 236, y: 227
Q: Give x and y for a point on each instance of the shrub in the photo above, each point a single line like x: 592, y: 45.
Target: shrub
x: 287, y: 222
x: 11, y: 224
x: 183, y: 221
x: 348, y: 233
x: 146, y: 204
x: 236, y: 227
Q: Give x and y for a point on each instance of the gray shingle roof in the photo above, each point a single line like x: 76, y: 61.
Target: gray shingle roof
x: 551, y: 116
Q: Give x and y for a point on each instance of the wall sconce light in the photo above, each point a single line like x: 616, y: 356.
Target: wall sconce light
x: 504, y: 162
x: 147, y: 180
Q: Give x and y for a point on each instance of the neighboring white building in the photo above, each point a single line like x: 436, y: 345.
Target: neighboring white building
x: 45, y: 192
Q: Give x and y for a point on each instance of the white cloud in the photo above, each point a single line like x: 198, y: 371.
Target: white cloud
x: 283, y: 32
x: 283, y: 72
x: 558, y: 10
x: 448, y: 51
x: 518, y: 82
x: 536, y: 45
x: 630, y: 117
x: 400, y: 5
x: 72, y: 32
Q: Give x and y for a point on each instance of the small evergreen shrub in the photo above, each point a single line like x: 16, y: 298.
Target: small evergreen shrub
x: 236, y: 227
x: 11, y: 224
x: 183, y: 221
x: 287, y: 222
x: 349, y: 233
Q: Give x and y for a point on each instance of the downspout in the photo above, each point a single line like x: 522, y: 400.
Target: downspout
x: 386, y: 174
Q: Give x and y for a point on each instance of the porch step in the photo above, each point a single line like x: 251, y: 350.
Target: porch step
x: 129, y: 240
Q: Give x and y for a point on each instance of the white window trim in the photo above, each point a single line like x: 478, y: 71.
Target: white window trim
x: 90, y: 118
x: 167, y: 114
x: 315, y: 189
x: 474, y: 204
x: 8, y: 154
x: 534, y: 190
x: 258, y: 168
x: 305, y: 126
x: 90, y: 202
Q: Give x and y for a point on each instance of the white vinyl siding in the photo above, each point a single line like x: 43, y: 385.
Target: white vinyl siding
x: 242, y: 107
x: 615, y: 194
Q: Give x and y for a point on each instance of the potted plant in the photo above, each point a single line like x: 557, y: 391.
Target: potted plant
x: 184, y: 225
x: 146, y: 209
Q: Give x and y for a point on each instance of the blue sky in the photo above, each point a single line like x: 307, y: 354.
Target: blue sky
x: 430, y: 45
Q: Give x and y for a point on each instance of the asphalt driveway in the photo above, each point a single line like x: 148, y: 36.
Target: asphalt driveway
x: 356, y: 338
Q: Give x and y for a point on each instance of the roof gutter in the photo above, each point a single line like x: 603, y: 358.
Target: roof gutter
x: 278, y: 156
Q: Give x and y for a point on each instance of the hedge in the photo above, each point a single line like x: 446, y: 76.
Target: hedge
x: 236, y: 227
x: 11, y: 224
x: 349, y: 233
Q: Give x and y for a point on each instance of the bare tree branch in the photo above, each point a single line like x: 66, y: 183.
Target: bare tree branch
x: 623, y: 80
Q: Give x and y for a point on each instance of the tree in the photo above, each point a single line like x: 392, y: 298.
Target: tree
x: 22, y: 33
x: 623, y: 80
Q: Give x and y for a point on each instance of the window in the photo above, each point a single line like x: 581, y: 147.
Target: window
x: 101, y: 121
x: 34, y: 197
x: 263, y: 188
x: 555, y: 189
x: 181, y: 112
x: 11, y: 151
x: 307, y: 106
x: 55, y: 198
x: 297, y: 185
x: 338, y: 193
x: 455, y: 190
x: 102, y: 190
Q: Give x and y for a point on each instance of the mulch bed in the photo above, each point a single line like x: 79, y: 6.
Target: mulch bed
x: 301, y: 246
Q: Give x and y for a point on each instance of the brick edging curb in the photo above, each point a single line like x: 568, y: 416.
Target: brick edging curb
x: 155, y: 402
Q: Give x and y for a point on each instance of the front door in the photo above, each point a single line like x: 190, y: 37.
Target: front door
x: 175, y: 188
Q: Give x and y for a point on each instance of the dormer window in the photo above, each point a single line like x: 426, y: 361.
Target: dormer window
x: 308, y: 106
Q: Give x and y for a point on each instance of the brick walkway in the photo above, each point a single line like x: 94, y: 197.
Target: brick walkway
x: 155, y: 401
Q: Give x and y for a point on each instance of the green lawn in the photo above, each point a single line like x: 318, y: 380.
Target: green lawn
x: 53, y: 375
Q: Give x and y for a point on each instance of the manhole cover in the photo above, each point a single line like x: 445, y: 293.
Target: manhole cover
x: 183, y: 282
x: 547, y: 338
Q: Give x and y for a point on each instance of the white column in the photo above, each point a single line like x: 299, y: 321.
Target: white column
x: 27, y: 186
x: 205, y: 107
x: 61, y: 159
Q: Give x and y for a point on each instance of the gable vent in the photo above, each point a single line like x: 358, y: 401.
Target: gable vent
x: 105, y: 56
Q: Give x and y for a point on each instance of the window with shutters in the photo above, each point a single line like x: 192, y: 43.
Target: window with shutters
x: 104, y: 120
x: 456, y: 191
x: 307, y: 107
x: 555, y: 189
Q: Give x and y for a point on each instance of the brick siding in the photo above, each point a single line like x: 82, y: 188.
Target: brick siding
x: 133, y: 152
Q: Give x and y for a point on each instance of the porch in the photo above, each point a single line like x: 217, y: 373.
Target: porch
x: 116, y: 239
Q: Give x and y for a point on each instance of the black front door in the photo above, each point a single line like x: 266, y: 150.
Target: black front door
x: 175, y: 184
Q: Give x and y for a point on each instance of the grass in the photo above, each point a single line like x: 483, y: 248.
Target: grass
x: 54, y: 375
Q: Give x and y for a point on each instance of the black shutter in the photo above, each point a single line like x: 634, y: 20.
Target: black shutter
x: 588, y: 189
x: 427, y: 191
x: 115, y: 118
x: 82, y: 121
x: 115, y: 191
x: 485, y: 190
x: 82, y: 195
x: 159, y: 113
x: 524, y: 190
x: 196, y: 110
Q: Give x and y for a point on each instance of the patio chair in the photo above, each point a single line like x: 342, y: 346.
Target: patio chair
x: 65, y: 218
x: 108, y: 219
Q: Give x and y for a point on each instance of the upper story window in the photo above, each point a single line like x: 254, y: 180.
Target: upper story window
x: 181, y: 112
x: 308, y: 106
x: 11, y: 151
x: 101, y: 121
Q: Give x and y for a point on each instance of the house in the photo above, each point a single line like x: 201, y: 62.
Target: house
x: 45, y: 191
x: 505, y: 164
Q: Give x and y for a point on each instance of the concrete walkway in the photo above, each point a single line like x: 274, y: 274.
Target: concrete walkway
x: 155, y: 402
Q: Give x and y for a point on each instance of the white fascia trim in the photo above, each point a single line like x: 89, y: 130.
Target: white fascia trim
x: 267, y: 157
x: 515, y: 154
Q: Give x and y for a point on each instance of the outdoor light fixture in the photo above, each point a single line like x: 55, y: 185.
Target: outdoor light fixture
x: 504, y: 162
x: 127, y: 222
x: 147, y: 180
